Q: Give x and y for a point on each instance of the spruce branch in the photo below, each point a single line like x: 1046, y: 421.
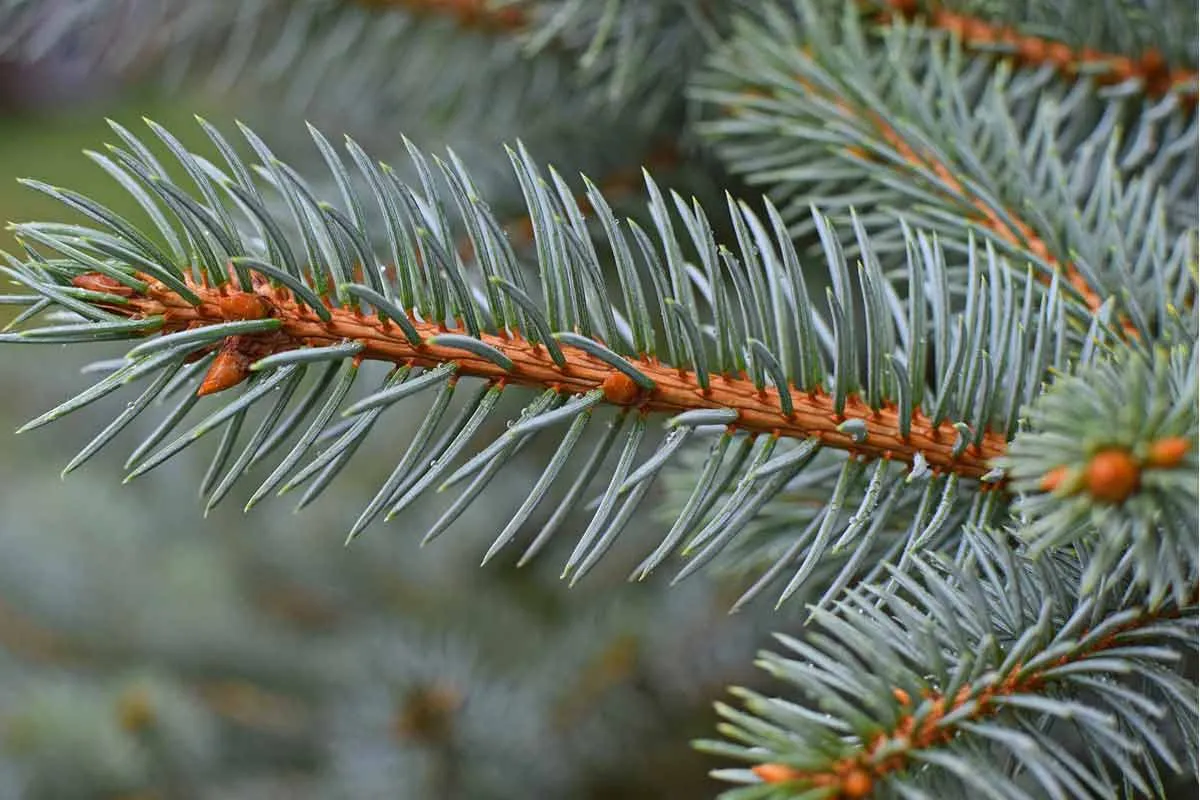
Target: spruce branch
x: 962, y: 680
x: 417, y: 60
x: 634, y: 54
x: 31, y: 31
x: 728, y: 341
x: 509, y: 358
x: 270, y: 710
x: 900, y: 124
x: 1005, y: 225
x: 1104, y: 460
x: 1149, y: 72
x: 468, y: 13
x: 1109, y: 459
x: 1152, y: 57
x: 972, y: 452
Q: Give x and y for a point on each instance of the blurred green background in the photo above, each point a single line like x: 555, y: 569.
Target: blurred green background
x: 48, y: 144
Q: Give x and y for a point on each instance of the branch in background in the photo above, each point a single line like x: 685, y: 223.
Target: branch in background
x: 1151, y: 70
x: 244, y: 703
x: 468, y: 13
x: 24, y: 637
x: 1009, y: 227
x: 634, y: 56
x: 238, y: 701
x: 811, y: 109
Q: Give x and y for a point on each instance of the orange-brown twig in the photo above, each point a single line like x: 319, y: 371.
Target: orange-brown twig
x: 920, y: 728
x: 676, y: 390
x: 1013, y: 230
x: 1107, y: 69
x: 468, y: 13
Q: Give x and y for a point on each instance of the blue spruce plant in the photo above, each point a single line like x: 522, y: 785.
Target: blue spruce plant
x: 900, y: 334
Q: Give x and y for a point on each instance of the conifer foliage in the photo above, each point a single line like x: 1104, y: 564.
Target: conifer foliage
x: 940, y: 381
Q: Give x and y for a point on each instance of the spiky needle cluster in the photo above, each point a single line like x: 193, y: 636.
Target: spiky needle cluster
x: 734, y: 344
x: 1024, y: 663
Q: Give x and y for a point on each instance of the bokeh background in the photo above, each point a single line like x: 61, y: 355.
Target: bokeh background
x: 149, y: 652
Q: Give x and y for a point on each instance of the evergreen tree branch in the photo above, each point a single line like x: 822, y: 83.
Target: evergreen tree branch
x: 240, y: 701
x: 759, y: 364
x: 1018, y: 652
x: 1105, y: 459
x: 817, y: 108
x: 418, y: 63
x: 511, y: 358
x: 1007, y: 226
x: 26, y: 638
x: 974, y: 457
x: 635, y: 55
x: 728, y: 342
x: 1149, y: 72
x: 469, y: 13
x: 1152, y: 57
x: 809, y: 542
